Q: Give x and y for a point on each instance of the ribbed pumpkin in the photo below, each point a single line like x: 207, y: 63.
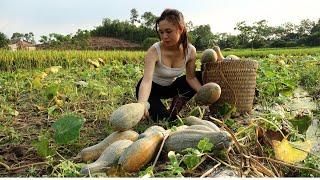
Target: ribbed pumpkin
x: 127, y: 116
x: 208, y: 55
x: 140, y: 152
x: 109, y: 157
x: 208, y: 94
x: 93, y: 152
x: 192, y: 120
x: 189, y: 138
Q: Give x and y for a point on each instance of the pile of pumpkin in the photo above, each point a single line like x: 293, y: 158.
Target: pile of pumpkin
x: 132, y: 151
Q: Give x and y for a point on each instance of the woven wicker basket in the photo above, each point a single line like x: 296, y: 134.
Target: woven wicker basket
x: 237, y: 79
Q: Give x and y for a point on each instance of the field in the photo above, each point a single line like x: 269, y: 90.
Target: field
x: 40, y: 88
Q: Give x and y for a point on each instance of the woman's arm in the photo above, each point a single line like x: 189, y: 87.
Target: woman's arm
x: 219, y: 54
x: 191, y: 71
x: 146, y: 83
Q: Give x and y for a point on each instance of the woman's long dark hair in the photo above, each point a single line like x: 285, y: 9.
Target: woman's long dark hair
x: 174, y: 16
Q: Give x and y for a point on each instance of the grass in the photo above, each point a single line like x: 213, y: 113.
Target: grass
x: 28, y: 107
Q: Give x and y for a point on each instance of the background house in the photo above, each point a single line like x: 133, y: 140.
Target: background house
x: 22, y: 45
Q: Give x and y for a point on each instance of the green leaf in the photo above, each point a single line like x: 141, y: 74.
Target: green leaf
x: 172, y: 157
x: 191, y: 160
x: 42, y: 145
x: 67, y: 129
x: 197, y: 112
x: 52, y: 91
x: 205, y: 145
x: 51, y: 110
x: 301, y: 123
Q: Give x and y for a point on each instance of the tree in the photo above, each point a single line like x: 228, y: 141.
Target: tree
x: 44, y: 39
x: 228, y: 41
x: 262, y: 34
x: 134, y: 16
x: 16, y: 37
x: 4, y: 41
x: 203, y: 37
x: 148, y: 20
x: 246, y: 34
x: 29, y: 37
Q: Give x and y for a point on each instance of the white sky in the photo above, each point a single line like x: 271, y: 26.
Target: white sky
x: 66, y: 16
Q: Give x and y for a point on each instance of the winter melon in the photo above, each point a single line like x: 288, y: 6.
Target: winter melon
x: 209, y: 55
x: 109, y: 157
x: 208, y: 94
x: 152, y: 129
x: 127, y: 116
x: 189, y: 138
x: 93, y: 152
x: 192, y: 120
x: 140, y: 152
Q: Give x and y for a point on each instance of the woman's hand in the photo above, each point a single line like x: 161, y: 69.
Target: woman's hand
x: 146, y: 110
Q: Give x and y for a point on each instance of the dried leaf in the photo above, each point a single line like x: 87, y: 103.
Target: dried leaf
x: 94, y: 63
x: 291, y: 152
x: 41, y: 75
x: 53, y: 69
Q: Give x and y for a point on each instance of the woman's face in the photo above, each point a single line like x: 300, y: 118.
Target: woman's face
x: 169, y: 33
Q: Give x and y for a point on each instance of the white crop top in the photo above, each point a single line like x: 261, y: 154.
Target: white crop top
x: 164, y: 75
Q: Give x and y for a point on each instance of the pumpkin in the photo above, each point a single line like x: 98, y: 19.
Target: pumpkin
x: 150, y: 130
x: 200, y: 127
x: 189, y: 138
x: 209, y: 55
x: 140, y: 152
x: 108, y: 158
x: 192, y: 120
x: 232, y: 57
x: 127, y: 116
x: 208, y: 94
x: 93, y: 152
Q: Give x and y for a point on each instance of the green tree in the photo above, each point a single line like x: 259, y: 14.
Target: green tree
x: 134, y: 16
x: 44, y: 39
x: 16, y: 37
x: 148, y: 20
x: 246, y: 34
x: 29, y: 37
x: 226, y: 40
x: 4, y: 41
x: 203, y: 37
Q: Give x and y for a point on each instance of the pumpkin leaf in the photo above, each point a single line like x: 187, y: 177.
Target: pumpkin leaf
x: 42, y: 145
x: 302, y: 121
x: 191, y: 160
x: 67, y: 129
x: 291, y: 152
x: 52, y: 91
x: 205, y: 145
x: 172, y: 157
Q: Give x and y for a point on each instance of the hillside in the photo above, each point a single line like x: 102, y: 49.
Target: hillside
x: 105, y: 43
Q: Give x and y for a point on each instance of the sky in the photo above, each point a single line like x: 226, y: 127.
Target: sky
x: 43, y: 17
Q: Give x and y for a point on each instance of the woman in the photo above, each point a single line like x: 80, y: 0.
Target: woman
x: 164, y: 64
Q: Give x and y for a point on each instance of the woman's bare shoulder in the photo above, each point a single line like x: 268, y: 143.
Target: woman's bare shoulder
x: 152, y: 54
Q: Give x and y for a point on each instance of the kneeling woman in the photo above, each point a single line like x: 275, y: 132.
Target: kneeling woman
x: 164, y: 65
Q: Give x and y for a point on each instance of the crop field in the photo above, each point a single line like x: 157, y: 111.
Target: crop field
x: 53, y: 104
